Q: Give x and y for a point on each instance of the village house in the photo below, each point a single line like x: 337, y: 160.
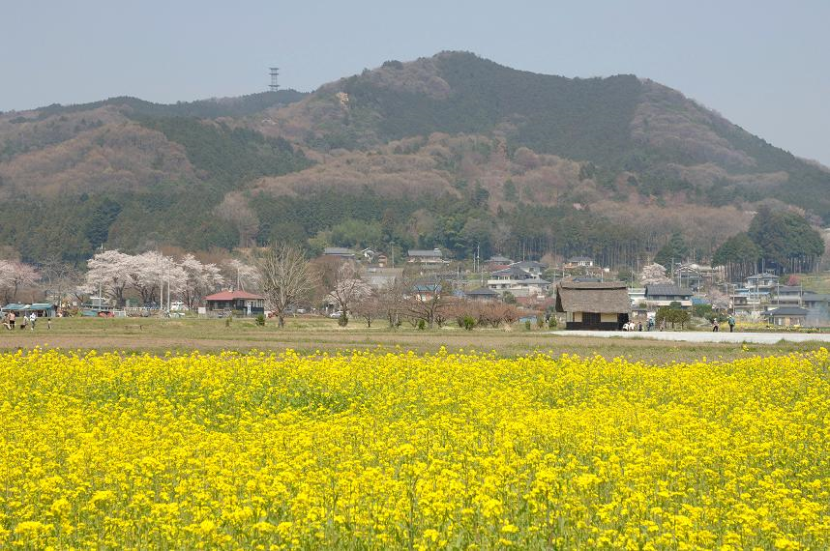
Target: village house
x: 239, y: 302
x: 690, y: 276
x: 579, y: 262
x: 637, y: 296
x: 341, y: 252
x: 762, y: 282
x: 425, y: 292
x: 532, y: 267
x: 517, y: 282
x: 744, y: 303
x: 658, y: 296
x: 434, y: 257
x: 787, y: 295
x: 483, y: 294
x: 498, y: 260
x: 594, y: 306
x: 378, y: 277
x: 816, y: 301
x: 787, y: 316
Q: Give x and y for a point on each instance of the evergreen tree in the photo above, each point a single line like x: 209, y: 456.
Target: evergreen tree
x: 675, y: 250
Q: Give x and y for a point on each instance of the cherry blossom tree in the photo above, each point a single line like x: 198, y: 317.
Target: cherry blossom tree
x: 201, y: 279
x: 14, y: 275
x: 245, y: 275
x: 150, y: 272
x: 111, y: 272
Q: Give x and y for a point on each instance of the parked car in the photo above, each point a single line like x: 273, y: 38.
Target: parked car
x: 336, y: 315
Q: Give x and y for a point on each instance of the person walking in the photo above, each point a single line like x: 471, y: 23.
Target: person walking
x: 24, y: 321
x: 731, y: 321
x: 33, y: 320
x: 12, y: 319
x: 715, y: 325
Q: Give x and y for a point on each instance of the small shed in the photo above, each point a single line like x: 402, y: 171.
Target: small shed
x: 240, y: 302
x: 341, y: 252
x: 426, y: 292
x: 43, y: 309
x: 788, y: 316
x: 593, y: 305
x: 483, y: 294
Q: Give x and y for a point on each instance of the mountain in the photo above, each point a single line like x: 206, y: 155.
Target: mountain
x: 453, y: 151
x: 623, y: 124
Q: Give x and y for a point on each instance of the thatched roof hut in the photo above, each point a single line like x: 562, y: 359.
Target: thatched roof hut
x: 601, y: 305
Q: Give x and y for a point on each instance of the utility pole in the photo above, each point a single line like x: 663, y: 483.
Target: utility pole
x: 101, y: 287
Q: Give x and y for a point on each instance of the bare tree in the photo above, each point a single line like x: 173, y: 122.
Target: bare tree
x: 428, y: 304
x: 392, y: 302
x: 285, y: 278
x: 348, y: 290
x: 369, y: 308
x: 59, y: 276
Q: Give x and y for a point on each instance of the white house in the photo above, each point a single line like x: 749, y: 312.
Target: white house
x: 517, y: 282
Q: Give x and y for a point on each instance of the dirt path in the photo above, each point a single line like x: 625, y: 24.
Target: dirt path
x: 703, y: 336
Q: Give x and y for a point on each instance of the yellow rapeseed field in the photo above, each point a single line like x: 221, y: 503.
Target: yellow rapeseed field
x: 377, y: 450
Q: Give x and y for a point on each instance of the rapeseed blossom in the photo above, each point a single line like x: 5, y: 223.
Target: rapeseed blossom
x: 378, y: 450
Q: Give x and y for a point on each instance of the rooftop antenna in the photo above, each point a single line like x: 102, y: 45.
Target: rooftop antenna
x: 275, y: 73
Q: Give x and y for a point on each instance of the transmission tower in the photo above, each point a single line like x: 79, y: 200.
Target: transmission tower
x: 275, y: 85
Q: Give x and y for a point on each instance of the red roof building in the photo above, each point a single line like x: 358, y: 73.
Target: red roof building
x: 239, y: 302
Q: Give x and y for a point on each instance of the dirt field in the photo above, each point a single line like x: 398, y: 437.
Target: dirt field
x: 158, y: 336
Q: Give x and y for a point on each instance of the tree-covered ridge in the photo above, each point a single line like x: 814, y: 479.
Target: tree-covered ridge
x: 230, y: 156
x: 178, y: 211
x: 241, y: 106
x: 661, y: 141
x: 579, y: 119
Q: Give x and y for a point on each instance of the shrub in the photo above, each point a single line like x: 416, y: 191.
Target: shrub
x: 422, y: 325
x: 468, y: 322
x: 527, y: 325
x: 260, y: 320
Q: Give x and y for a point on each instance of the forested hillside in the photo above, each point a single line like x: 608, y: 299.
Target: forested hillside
x: 452, y: 151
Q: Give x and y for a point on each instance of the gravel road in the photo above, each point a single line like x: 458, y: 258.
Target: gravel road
x: 704, y: 336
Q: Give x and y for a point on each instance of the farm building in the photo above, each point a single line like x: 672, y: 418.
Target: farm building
x: 435, y: 256
x: 483, y: 294
x: 658, y: 296
x: 239, y: 302
x: 593, y: 305
x: 787, y: 316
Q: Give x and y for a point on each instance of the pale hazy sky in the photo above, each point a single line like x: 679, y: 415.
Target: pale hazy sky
x: 764, y: 65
